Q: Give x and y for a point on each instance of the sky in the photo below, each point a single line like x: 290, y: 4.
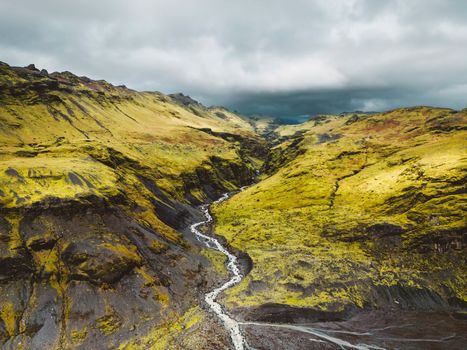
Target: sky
x: 281, y: 58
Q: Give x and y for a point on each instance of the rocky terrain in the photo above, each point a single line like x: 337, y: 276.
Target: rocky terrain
x: 354, y: 224
x: 96, y: 184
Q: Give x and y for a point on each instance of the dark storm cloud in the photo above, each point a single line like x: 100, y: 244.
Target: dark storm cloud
x: 266, y: 56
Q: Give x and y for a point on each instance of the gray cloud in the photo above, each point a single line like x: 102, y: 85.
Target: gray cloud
x: 278, y: 57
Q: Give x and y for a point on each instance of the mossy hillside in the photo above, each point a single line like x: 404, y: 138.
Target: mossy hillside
x: 181, y: 332
x: 367, y: 201
x: 94, y: 179
x: 83, y: 116
x: 171, y: 149
x: 218, y: 261
x: 25, y: 181
x: 64, y: 137
x: 264, y: 125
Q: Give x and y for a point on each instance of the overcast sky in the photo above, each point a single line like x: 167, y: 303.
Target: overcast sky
x: 284, y: 58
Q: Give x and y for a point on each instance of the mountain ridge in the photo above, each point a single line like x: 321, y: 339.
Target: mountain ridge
x: 345, y: 214
x: 97, y: 183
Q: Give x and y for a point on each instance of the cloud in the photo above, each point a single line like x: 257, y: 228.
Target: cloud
x: 284, y: 58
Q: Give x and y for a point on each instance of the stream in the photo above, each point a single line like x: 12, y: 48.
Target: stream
x: 319, y: 335
x: 230, y: 324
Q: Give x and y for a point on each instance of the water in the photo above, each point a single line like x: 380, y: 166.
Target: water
x: 230, y: 324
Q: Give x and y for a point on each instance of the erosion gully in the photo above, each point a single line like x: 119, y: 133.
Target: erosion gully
x: 233, y: 326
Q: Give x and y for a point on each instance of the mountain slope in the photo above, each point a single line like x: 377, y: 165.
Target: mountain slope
x: 358, y: 212
x: 96, y: 182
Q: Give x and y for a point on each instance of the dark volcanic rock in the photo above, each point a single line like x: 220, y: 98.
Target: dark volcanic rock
x: 14, y: 258
x: 401, y: 297
x: 185, y: 100
x: 32, y: 67
x: 172, y: 213
x: 281, y: 313
x: 100, y: 261
x: 84, y: 276
x: 323, y: 138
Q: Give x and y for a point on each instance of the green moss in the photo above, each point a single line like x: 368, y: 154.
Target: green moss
x: 169, y: 335
x: 109, y: 323
x: 37, y: 179
x: 78, y: 144
x: 79, y: 335
x: 96, y: 143
x: 128, y: 252
x: 9, y: 318
x: 158, y: 247
x: 217, y: 259
x: 320, y: 220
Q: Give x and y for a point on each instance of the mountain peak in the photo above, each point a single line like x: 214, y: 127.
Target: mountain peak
x: 185, y: 100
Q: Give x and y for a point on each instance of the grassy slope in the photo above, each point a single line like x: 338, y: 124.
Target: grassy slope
x: 68, y: 142
x: 367, y: 201
x: 147, y: 127
x: 61, y: 136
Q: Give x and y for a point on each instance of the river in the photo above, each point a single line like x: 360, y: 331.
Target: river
x: 230, y: 324
x: 320, y: 335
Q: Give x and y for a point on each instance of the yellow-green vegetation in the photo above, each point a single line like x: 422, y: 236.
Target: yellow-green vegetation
x: 108, y: 323
x: 78, y: 335
x: 31, y: 180
x: 177, y: 333
x: 217, y: 259
x: 95, y: 181
x: 355, y: 202
x: 67, y: 137
x: 9, y: 317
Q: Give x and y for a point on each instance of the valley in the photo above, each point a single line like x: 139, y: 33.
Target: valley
x: 139, y: 220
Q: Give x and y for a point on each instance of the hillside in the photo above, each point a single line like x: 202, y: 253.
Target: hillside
x: 352, y: 225
x: 355, y: 212
x: 96, y: 183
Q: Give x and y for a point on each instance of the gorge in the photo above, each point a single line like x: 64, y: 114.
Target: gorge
x: 126, y: 223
